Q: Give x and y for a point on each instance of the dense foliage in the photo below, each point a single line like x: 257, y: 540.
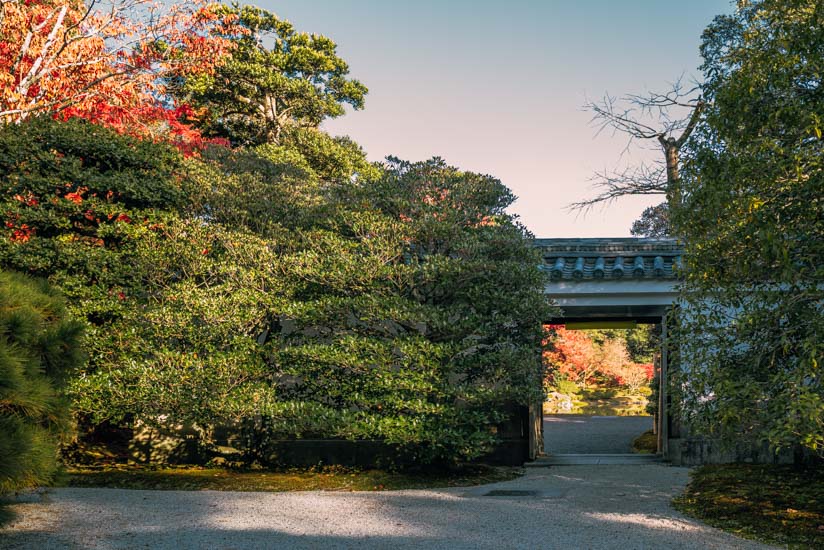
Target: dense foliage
x: 111, y: 62
x: 39, y: 348
x: 752, y: 326
x: 295, y: 289
x: 76, y: 201
x: 274, y: 79
x: 654, y: 222
x: 289, y: 288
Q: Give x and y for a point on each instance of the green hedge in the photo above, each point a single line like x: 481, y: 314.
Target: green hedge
x: 294, y: 289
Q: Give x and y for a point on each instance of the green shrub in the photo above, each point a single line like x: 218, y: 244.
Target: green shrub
x: 75, y: 199
x: 39, y: 346
x: 271, y: 288
x: 567, y: 387
x: 358, y: 310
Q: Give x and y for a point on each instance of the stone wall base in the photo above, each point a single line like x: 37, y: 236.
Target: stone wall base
x: 697, y: 451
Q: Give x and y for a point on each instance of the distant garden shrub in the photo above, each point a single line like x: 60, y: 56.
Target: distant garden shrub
x: 39, y: 348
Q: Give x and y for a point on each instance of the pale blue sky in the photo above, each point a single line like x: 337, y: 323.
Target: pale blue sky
x: 497, y: 87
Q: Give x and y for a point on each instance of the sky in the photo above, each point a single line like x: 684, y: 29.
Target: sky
x: 498, y: 87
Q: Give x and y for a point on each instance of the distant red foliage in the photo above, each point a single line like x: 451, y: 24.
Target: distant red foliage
x: 575, y: 356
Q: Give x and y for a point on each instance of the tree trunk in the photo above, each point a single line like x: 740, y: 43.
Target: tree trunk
x: 671, y: 153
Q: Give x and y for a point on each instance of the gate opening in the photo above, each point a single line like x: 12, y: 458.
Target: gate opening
x: 601, y: 388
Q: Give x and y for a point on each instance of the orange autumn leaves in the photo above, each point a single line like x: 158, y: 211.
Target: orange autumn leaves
x: 108, y: 61
x: 576, y: 356
x: 574, y: 353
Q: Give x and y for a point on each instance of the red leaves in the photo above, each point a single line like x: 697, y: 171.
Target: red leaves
x: 28, y: 200
x: 22, y: 234
x: 76, y: 198
x: 574, y: 354
x: 33, y: 91
x: 60, y: 58
x: 152, y: 121
x: 184, y: 111
x: 577, y: 357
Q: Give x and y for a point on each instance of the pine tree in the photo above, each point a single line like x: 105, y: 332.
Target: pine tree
x: 39, y: 346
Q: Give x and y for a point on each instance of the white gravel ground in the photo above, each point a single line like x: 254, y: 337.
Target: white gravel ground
x: 576, y: 507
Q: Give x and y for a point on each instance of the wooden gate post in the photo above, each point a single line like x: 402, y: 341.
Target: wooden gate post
x: 536, y: 430
x: 663, y: 413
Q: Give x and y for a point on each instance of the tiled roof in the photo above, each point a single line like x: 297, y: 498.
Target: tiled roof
x: 625, y: 258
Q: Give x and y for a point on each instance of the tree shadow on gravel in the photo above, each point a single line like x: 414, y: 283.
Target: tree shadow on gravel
x: 601, y: 516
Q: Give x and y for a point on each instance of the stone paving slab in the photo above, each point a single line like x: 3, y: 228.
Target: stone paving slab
x: 593, y: 459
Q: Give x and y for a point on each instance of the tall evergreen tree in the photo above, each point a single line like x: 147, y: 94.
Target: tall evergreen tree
x: 754, y: 230
x: 275, y: 79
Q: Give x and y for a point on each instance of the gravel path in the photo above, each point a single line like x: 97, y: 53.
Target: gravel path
x: 581, y: 434
x: 593, y: 507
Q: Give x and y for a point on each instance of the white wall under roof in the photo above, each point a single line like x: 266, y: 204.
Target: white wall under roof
x: 612, y: 298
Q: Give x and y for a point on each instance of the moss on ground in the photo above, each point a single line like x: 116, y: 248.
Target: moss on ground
x: 326, y: 479
x: 774, y: 504
x: 646, y: 443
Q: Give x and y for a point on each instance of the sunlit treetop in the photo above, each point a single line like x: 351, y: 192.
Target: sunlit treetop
x: 275, y: 78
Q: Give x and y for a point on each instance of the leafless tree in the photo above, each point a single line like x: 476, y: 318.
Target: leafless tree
x: 668, y: 118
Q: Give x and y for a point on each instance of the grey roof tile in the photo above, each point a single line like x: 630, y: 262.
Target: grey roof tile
x: 622, y: 258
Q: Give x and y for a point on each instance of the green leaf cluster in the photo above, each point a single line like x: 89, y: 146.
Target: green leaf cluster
x: 290, y: 290
x: 275, y: 79
x: 753, y: 324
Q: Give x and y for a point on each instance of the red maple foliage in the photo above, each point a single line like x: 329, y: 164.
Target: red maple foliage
x: 109, y: 62
x: 574, y: 354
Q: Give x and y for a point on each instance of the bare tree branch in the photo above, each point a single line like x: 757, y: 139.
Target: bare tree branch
x: 693, y: 122
x: 669, y: 118
x: 638, y: 180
